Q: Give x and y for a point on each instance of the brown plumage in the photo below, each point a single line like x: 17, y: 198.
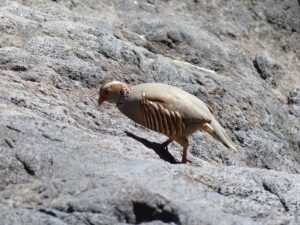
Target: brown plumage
x: 165, y: 109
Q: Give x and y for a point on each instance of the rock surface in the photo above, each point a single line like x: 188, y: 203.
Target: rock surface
x: 63, y: 161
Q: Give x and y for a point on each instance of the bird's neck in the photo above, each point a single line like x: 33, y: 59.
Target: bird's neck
x: 125, y: 91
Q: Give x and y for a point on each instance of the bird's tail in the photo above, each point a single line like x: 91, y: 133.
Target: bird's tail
x: 217, y: 131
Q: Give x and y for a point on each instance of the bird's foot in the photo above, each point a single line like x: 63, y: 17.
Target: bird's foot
x: 184, y: 155
x: 184, y: 161
x: 165, y: 144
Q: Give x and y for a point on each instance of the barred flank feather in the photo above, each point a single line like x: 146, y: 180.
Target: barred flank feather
x: 160, y: 119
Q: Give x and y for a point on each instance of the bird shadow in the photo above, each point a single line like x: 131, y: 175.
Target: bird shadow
x: 162, y: 152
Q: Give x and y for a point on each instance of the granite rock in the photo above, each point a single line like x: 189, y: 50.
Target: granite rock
x: 64, y: 161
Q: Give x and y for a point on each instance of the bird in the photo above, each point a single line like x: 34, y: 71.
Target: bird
x: 165, y: 109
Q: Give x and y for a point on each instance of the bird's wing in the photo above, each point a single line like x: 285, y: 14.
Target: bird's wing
x: 174, y: 99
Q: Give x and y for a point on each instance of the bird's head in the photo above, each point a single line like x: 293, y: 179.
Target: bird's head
x: 111, y: 91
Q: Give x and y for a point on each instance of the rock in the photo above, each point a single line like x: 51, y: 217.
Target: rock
x: 40, y: 74
x: 21, y: 216
x: 268, y: 69
x: 294, y: 97
x: 64, y: 161
x: 9, y: 61
x: 294, y: 101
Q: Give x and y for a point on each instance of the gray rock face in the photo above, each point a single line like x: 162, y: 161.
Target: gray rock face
x: 268, y: 69
x: 64, y: 161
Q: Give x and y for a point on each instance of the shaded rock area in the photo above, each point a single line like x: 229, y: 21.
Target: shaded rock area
x: 64, y: 161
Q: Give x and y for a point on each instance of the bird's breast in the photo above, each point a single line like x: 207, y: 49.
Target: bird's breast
x: 132, y: 110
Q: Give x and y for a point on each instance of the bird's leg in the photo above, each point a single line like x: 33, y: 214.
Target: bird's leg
x: 184, y: 155
x: 165, y: 144
x: 183, y: 141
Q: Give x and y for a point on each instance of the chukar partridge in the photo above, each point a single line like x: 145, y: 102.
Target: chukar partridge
x: 165, y: 109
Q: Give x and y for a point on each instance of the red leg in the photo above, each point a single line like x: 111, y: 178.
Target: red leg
x: 183, y: 141
x: 166, y: 143
x: 184, y: 155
